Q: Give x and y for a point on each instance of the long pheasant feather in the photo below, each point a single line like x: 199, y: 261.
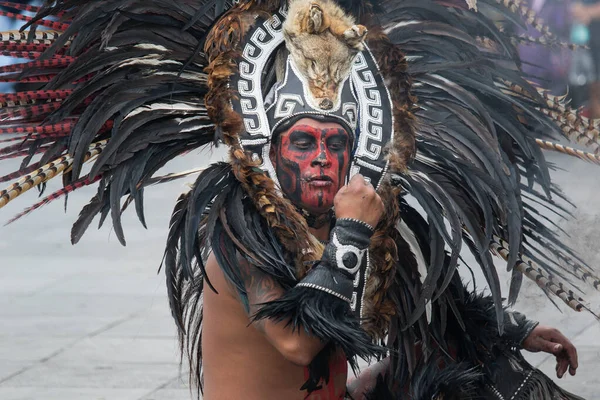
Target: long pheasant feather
x: 30, y: 79
x: 58, y: 26
x: 581, y: 271
x: 32, y: 55
x: 41, y: 131
x: 529, y: 15
x: 9, y: 36
x: 543, y: 41
x: 19, y: 6
x: 24, y: 153
x: 41, y: 110
x: 21, y: 172
x: 543, y: 279
x: 85, y: 181
x: 589, y: 157
x: 30, y: 97
x: 45, y: 173
x: 59, y: 62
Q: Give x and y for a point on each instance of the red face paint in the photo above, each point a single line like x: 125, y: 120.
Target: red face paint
x: 311, y: 161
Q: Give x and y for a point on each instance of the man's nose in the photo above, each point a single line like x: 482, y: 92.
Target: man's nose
x: 321, y: 160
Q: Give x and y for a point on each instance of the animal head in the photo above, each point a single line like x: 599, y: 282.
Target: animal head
x: 323, y: 50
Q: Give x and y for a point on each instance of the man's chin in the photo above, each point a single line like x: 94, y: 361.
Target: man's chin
x: 317, y: 211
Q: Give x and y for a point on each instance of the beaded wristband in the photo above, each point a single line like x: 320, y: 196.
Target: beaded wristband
x: 358, y: 221
x: 329, y: 280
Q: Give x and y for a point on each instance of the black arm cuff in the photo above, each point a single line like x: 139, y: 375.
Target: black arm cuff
x: 517, y: 327
x: 347, y: 249
x: 329, y: 280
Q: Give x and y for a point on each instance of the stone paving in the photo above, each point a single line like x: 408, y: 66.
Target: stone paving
x: 91, y: 321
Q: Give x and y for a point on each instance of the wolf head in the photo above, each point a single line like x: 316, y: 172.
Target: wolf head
x: 322, y: 48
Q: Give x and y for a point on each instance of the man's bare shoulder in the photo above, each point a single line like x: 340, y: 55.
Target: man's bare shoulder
x: 217, y: 278
x: 258, y: 286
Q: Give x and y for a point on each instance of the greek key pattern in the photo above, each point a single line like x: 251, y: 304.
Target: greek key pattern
x: 262, y: 42
x: 375, y: 118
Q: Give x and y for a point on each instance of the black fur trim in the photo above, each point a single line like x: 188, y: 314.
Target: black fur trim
x: 323, y: 315
x: 452, y: 382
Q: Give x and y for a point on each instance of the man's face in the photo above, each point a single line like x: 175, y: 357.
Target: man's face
x: 311, y: 160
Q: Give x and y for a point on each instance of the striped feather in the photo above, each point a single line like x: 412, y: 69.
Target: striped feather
x: 23, y: 171
x: 25, y: 153
x: 580, y: 270
x: 530, y: 16
x: 45, y: 173
x: 24, y: 45
x: 543, y: 41
x: 31, y: 97
x: 27, y: 112
x: 32, y: 55
x: 55, y: 25
x: 85, y: 181
x: 20, y: 6
x: 52, y: 63
x: 17, y: 78
x: 23, y: 36
x: 582, y: 155
x: 543, y: 279
x: 37, y: 131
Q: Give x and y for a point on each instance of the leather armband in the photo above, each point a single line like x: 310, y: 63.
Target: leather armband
x: 342, y: 259
x: 517, y: 327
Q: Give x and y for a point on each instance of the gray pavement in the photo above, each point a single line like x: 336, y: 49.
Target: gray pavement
x: 92, y: 322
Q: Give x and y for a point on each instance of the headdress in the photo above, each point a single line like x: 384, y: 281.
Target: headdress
x: 433, y: 95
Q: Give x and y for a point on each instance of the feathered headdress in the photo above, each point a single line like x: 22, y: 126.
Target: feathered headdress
x: 433, y: 92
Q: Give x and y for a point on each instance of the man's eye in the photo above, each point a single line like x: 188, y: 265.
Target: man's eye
x: 337, y: 145
x: 302, y: 144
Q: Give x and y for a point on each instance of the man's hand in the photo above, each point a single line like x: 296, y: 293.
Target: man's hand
x: 358, y: 200
x: 550, y: 340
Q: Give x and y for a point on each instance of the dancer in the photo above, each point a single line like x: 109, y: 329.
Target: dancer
x: 360, y: 106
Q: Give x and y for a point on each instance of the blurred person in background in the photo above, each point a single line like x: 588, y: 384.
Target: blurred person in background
x: 588, y: 13
x: 548, y: 66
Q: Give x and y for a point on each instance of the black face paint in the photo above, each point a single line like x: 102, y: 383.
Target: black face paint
x: 311, y: 164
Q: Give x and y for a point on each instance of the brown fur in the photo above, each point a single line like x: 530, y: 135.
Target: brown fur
x: 393, y: 67
x: 323, y: 42
x: 379, y: 308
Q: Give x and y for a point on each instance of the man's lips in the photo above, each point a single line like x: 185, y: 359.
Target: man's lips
x: 320, y: 181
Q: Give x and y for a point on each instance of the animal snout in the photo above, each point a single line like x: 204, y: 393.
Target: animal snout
x: 326, y: 104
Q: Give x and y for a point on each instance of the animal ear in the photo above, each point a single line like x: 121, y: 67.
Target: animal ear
x: 315, y: 19
x: 355, y: 35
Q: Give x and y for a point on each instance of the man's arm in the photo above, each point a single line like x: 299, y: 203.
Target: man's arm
x: 367, y: 379
x: 299, y: 347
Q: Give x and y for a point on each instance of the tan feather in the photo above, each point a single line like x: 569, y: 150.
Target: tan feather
x: 543, y: 279
x: 472, y: 4
x: 589, y: 157
x: 45, y: 173
x: 578, y: 129
x: 574, y: 126
x: 543, y: 41
x: 49, y: 35
x: 583, y: 273
x: 530, y: 16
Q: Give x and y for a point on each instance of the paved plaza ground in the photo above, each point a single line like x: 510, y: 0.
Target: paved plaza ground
x: 91, y: 321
